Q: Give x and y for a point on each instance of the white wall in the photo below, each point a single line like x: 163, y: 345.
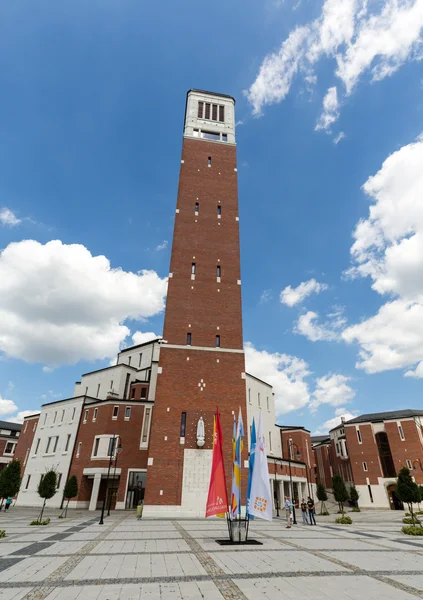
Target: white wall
x: 51, y: 425
x: 192, y: 121
x: 254, y: 387
x: 379, y: 493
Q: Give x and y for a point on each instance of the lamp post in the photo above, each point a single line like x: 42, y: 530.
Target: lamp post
x: 101, y: 522
x: 118, y: 451
x: 298, y: 455
x: 275, y: 494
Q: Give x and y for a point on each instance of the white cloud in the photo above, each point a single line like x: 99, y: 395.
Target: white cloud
x: 162, y: 246
x: 333, y: 389
x: 60, y: 304
x: 7, y: 217
x: 7, y: 407
x: 338, y: 137
x: 265, y: 296
x: 308, y: 326
x: 19, y: 418
x: 287, y: 374
x: 388, y: 248
x: 292, y: 296
x: 340, y: 414
x: 140, y: 337
x: 377, y: 39
x: 330, y: 111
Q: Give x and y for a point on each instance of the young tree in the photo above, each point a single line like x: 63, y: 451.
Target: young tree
x: 354, y: 495
x: 339, y: 491
x: 70, y: 491
x: 10, y: 480
x: 407, y: 489
x: 322, y: 496
x: 47, y: 488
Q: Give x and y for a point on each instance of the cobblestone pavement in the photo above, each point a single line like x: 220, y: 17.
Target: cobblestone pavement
x: 76, y: 558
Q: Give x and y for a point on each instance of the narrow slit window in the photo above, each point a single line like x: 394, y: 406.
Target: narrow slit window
x: 214, y: 112
x: 365, y: 466
x: 140, y: 360
x: 98, y: 390
x: 95, y: 414
x: 188, y: 339
x: 128, y: 412
x: 55, y: 443
x: 401, y: 432
x: 218, y: 341
x: 115, y: 412
x: 143, y: 393
x: 200, y: 110
x: 207, y: 111
x: 129, y: 361
x: 27, y: 482
x: 219, y: 210
x: 96, y: 444
x: 209, y: 161
x: 183, y: 424
x: 68, y: 442
x: 218, y: 271
x: 133, y: 393
x: 221, y: 114
x: 193, y: 267
x: 78, y: 452
x: 359, y: 436
x: 146, y: 425
x: 224, y: 137
x: 197, y: 207
x: 409, y: 465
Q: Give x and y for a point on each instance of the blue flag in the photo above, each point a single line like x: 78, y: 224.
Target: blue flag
x: 251, y: 465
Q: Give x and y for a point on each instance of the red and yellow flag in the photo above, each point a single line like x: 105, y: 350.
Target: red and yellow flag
x: 217, y: 501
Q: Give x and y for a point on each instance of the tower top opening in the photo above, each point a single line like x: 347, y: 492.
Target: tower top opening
x: 210, y: 116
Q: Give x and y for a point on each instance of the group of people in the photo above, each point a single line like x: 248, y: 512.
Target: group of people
x: 307, y: 509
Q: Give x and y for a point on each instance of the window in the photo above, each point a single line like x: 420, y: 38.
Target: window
x: 111, y: 384
x: 133, y: 393
x: 267, y: 402
x: 42, y: 477
x: 35, y: 426
x: 148, y: 374
x: 143, y: 393
x: 26, y: 426
x: 129, y: 361
x: 221, y: 113
x: 128, y: 412
x: 337, y: 449
x: 401, y: 432
x: 218, y: 341
x: 96, y: 443
x: 55, y: 443
x: 59, y: 479
x: 207, y: 111
x: 146, y: 425
x: 9, y: 448
x: 409, y: 465
x: 360, y: 441
x: 214, y: 112
x: 78, y: 452
x: 200, y: 110
x: 219, y: 210
x: 98, y: 390
x: 86, y: 416
x: 218, y: 271
x: 258, y: 398
x: 67, y: 442
x: 193, y: 269
x: 188, y: 339
x: 63, y: 416
x: 112, y: 445
x: 370, y: 492
x: 249, y: 395
x: 183, y: 424
x: 27, y: 482
x: 95, y: 412
x: 365, y: 466
x: 115, y: 412
x: 26, y: 457
x: 224, y: 137
x: 37, y: 446
x: 128, y: 375
x: 45, y: 419
x: 197, y: 207
x: 270, y: 441
x: 140, y: 360
x: 209, y: 158
x: 48, y: 445
x: 73, y: 414
x: 86, y: 391
x: 54, y: 418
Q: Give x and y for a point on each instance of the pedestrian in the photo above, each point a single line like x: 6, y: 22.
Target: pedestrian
x: 311, y: 511
x: 8, y: 503
x: 304, y: 511
x: 288, y: 511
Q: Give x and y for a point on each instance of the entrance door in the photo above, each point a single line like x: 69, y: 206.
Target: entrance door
x: 111, y: 498
x: 394, y: 502
x: 136, y: 489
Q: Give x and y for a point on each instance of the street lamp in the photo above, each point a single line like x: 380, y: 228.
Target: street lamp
x: 112, y: 444
x: 118, y: 451
x: 275, y: 494
x: 298, y: 455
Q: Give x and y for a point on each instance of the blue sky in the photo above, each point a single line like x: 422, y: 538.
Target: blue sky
x: 329, y: 109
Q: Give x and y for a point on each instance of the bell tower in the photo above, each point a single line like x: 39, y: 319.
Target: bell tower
x: 201, y: 364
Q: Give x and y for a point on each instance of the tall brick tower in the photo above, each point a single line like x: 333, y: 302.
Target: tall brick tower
x: 201, y: 363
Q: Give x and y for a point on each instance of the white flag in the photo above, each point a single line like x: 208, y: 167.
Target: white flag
x: 260, y: 496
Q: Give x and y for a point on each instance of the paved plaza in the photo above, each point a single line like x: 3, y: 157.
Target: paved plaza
x: 76, y: 558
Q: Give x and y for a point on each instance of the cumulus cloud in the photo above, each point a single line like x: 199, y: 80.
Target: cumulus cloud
x: 60, y: 304
x: 287, y: 374
x: 375, y: 38
x: 162, y: 246
x: 340, y: 414
x: 333, y: 389
x: 19, y: 418
x: 7, y: 406
x: 308, y: 326
x: 265, y: 296
x: 7, y: 217
x: 330, y: 111
x: 141, y: 337
x: 388, y: 248
x: 292, y: 296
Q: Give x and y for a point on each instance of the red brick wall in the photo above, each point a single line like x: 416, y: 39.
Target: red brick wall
x: 410, y: 448
x: 25, y: 440
x: 367, y: 452
x: 340, y: 466
x: 301, y: 441
x: 131, y: 456
x: 323, y: 466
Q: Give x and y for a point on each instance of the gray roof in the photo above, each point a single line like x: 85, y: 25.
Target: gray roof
x: 317, y: 439
x: 406, y: 413
x: 10, y: 426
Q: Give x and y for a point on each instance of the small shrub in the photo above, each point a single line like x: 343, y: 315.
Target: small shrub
x: 344, y: 520
x: 2, y: 533
x: 412, y: 530
x: 356, y: 509
x: 340, y: 512
x: 411, y: 521
x: 37, y: 522
x: 324, y: 513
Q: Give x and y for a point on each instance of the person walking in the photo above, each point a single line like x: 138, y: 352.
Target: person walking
x: 288, y: 511
x: 311, y: 511
x: 8, y: 503
x: 304, y: 511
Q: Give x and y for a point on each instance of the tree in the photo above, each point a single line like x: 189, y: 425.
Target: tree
x: 322, y: 496
x: 70, y: 491
x: 10, y: 480
x: 339, y: 491
x: 47, y: 488
x: 354, y: 495
x: 407, y: 490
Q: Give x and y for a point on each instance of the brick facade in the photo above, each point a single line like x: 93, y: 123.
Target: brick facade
x: 25, y: 439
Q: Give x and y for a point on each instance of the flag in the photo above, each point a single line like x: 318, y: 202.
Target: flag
x: 220, y: 515
x: 217, y: 500
x: 236, y: 473
x: 260, y: 495
x: 251, y: 465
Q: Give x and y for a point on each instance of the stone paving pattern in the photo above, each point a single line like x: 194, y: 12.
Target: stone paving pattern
x: 76, y: 558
